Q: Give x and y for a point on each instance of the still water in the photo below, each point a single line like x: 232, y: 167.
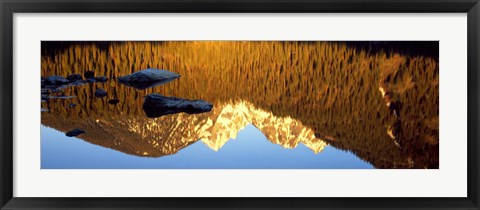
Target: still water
x: 276, y: 105
x: 250, y: 146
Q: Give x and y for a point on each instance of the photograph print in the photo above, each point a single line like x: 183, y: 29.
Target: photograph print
x: 239, y: 104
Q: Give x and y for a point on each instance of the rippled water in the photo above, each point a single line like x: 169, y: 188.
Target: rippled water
x: 301, y: 96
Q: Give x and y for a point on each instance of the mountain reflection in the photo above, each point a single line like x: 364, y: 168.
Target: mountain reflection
x: 383, y: 107
x: 168, y: 134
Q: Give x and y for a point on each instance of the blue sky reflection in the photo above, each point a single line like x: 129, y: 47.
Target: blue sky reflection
x: 250, y: 150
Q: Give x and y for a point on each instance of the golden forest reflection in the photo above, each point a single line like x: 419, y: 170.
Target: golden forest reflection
x: 383, y: 107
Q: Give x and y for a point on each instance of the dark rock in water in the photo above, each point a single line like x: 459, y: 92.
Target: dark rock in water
x: 113, y: 101
x: 44, y: 98
x: 77, y: 83
x: 61, y: 97
x: 90, y: 80
x: 149, y: 75
x: 101, y: 79
x: 148, y: 78
x: 74, y: 77
x: 89, y: 75
x: 74, y: 132
x: 100, y: 93
x: 156, y: 105
x: 55, y: 80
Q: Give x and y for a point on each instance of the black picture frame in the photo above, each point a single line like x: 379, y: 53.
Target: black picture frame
x: 9, y: 7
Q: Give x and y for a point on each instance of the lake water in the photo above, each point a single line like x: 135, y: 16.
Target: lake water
x: 276, y: 105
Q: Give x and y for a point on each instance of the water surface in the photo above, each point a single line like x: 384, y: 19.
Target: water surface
x: 275, y: 105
